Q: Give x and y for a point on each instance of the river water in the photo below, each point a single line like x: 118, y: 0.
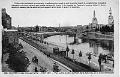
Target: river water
x: 85, y: 45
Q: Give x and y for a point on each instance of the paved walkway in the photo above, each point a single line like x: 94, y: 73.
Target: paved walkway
x: 43, y: 60
x: 76, y: 68
x: 107, y: 67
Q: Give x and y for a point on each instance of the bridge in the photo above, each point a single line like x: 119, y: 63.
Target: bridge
x: 42, y: 35
x: 88, y: 35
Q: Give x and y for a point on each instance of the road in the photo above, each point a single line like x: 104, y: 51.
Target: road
x: 72, y: 65
x: 43, y: 60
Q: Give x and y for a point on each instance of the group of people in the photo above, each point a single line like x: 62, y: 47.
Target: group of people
x: 103, y: 58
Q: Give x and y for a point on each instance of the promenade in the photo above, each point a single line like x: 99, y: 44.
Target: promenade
x: 76, y: 67
x: 44, y: 62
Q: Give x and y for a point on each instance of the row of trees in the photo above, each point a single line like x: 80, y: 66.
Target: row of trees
x: 17, y: 60
x: 106, y: 28
x: 46, y: 29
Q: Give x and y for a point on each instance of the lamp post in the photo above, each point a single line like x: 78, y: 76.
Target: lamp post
x: 99, y: 60
x: 89, y: 58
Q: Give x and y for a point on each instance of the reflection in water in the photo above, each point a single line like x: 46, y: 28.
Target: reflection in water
x: 105, y: 45
x: 86, y: 45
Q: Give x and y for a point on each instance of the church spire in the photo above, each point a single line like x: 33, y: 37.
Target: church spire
x: 94, y: 20
x: 110, y: 11
x: 94, y: 14
x: 110, y: 17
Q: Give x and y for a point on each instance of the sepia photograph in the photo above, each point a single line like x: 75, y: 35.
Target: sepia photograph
x: 59, y: 36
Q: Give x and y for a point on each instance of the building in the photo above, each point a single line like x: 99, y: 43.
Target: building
x: 94, y: 27
x: 110, y: 18
x: 94, y: 23
x: 79, y: 31
x: 10, y: 36
x: 6, y: 19
x: 94, y: 20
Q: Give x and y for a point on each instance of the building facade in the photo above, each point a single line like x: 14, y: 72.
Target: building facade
x: 10, y: 36
x: 6, y: 19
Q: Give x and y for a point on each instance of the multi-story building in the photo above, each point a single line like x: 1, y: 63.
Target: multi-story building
x: 10, y: 36
x: 94, y: 26
x: 6, y: 19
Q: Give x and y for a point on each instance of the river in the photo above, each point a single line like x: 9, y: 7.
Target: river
x: 85, y: 46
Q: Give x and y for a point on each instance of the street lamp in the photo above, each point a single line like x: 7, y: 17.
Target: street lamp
x: 99, y: 60
x: 89, y: 58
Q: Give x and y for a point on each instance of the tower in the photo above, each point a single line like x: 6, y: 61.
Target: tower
x: 110, y: 18
x: 3, y: 11
x: 94, y: 20
x: 6, y: 19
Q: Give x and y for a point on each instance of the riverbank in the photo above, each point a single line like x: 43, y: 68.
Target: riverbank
x: 72, y: 65
x: 85, y: 46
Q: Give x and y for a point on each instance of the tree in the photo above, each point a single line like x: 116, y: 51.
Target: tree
x: 18, y: 62
x: 37, y: 28
x: 80, y: 54
x: 96, y: 29
x: 73, y: 52
x: 87, y: 27
x: 67, y: 50
x: 35, y: 60
x: 56, y: 68
x: 36, y: 69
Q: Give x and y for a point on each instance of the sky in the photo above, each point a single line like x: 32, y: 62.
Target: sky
x: 64, y: 17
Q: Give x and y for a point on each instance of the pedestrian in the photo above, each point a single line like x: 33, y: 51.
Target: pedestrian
x: 99, y: 61
x: 105, y: 56
x: 113, y: 64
